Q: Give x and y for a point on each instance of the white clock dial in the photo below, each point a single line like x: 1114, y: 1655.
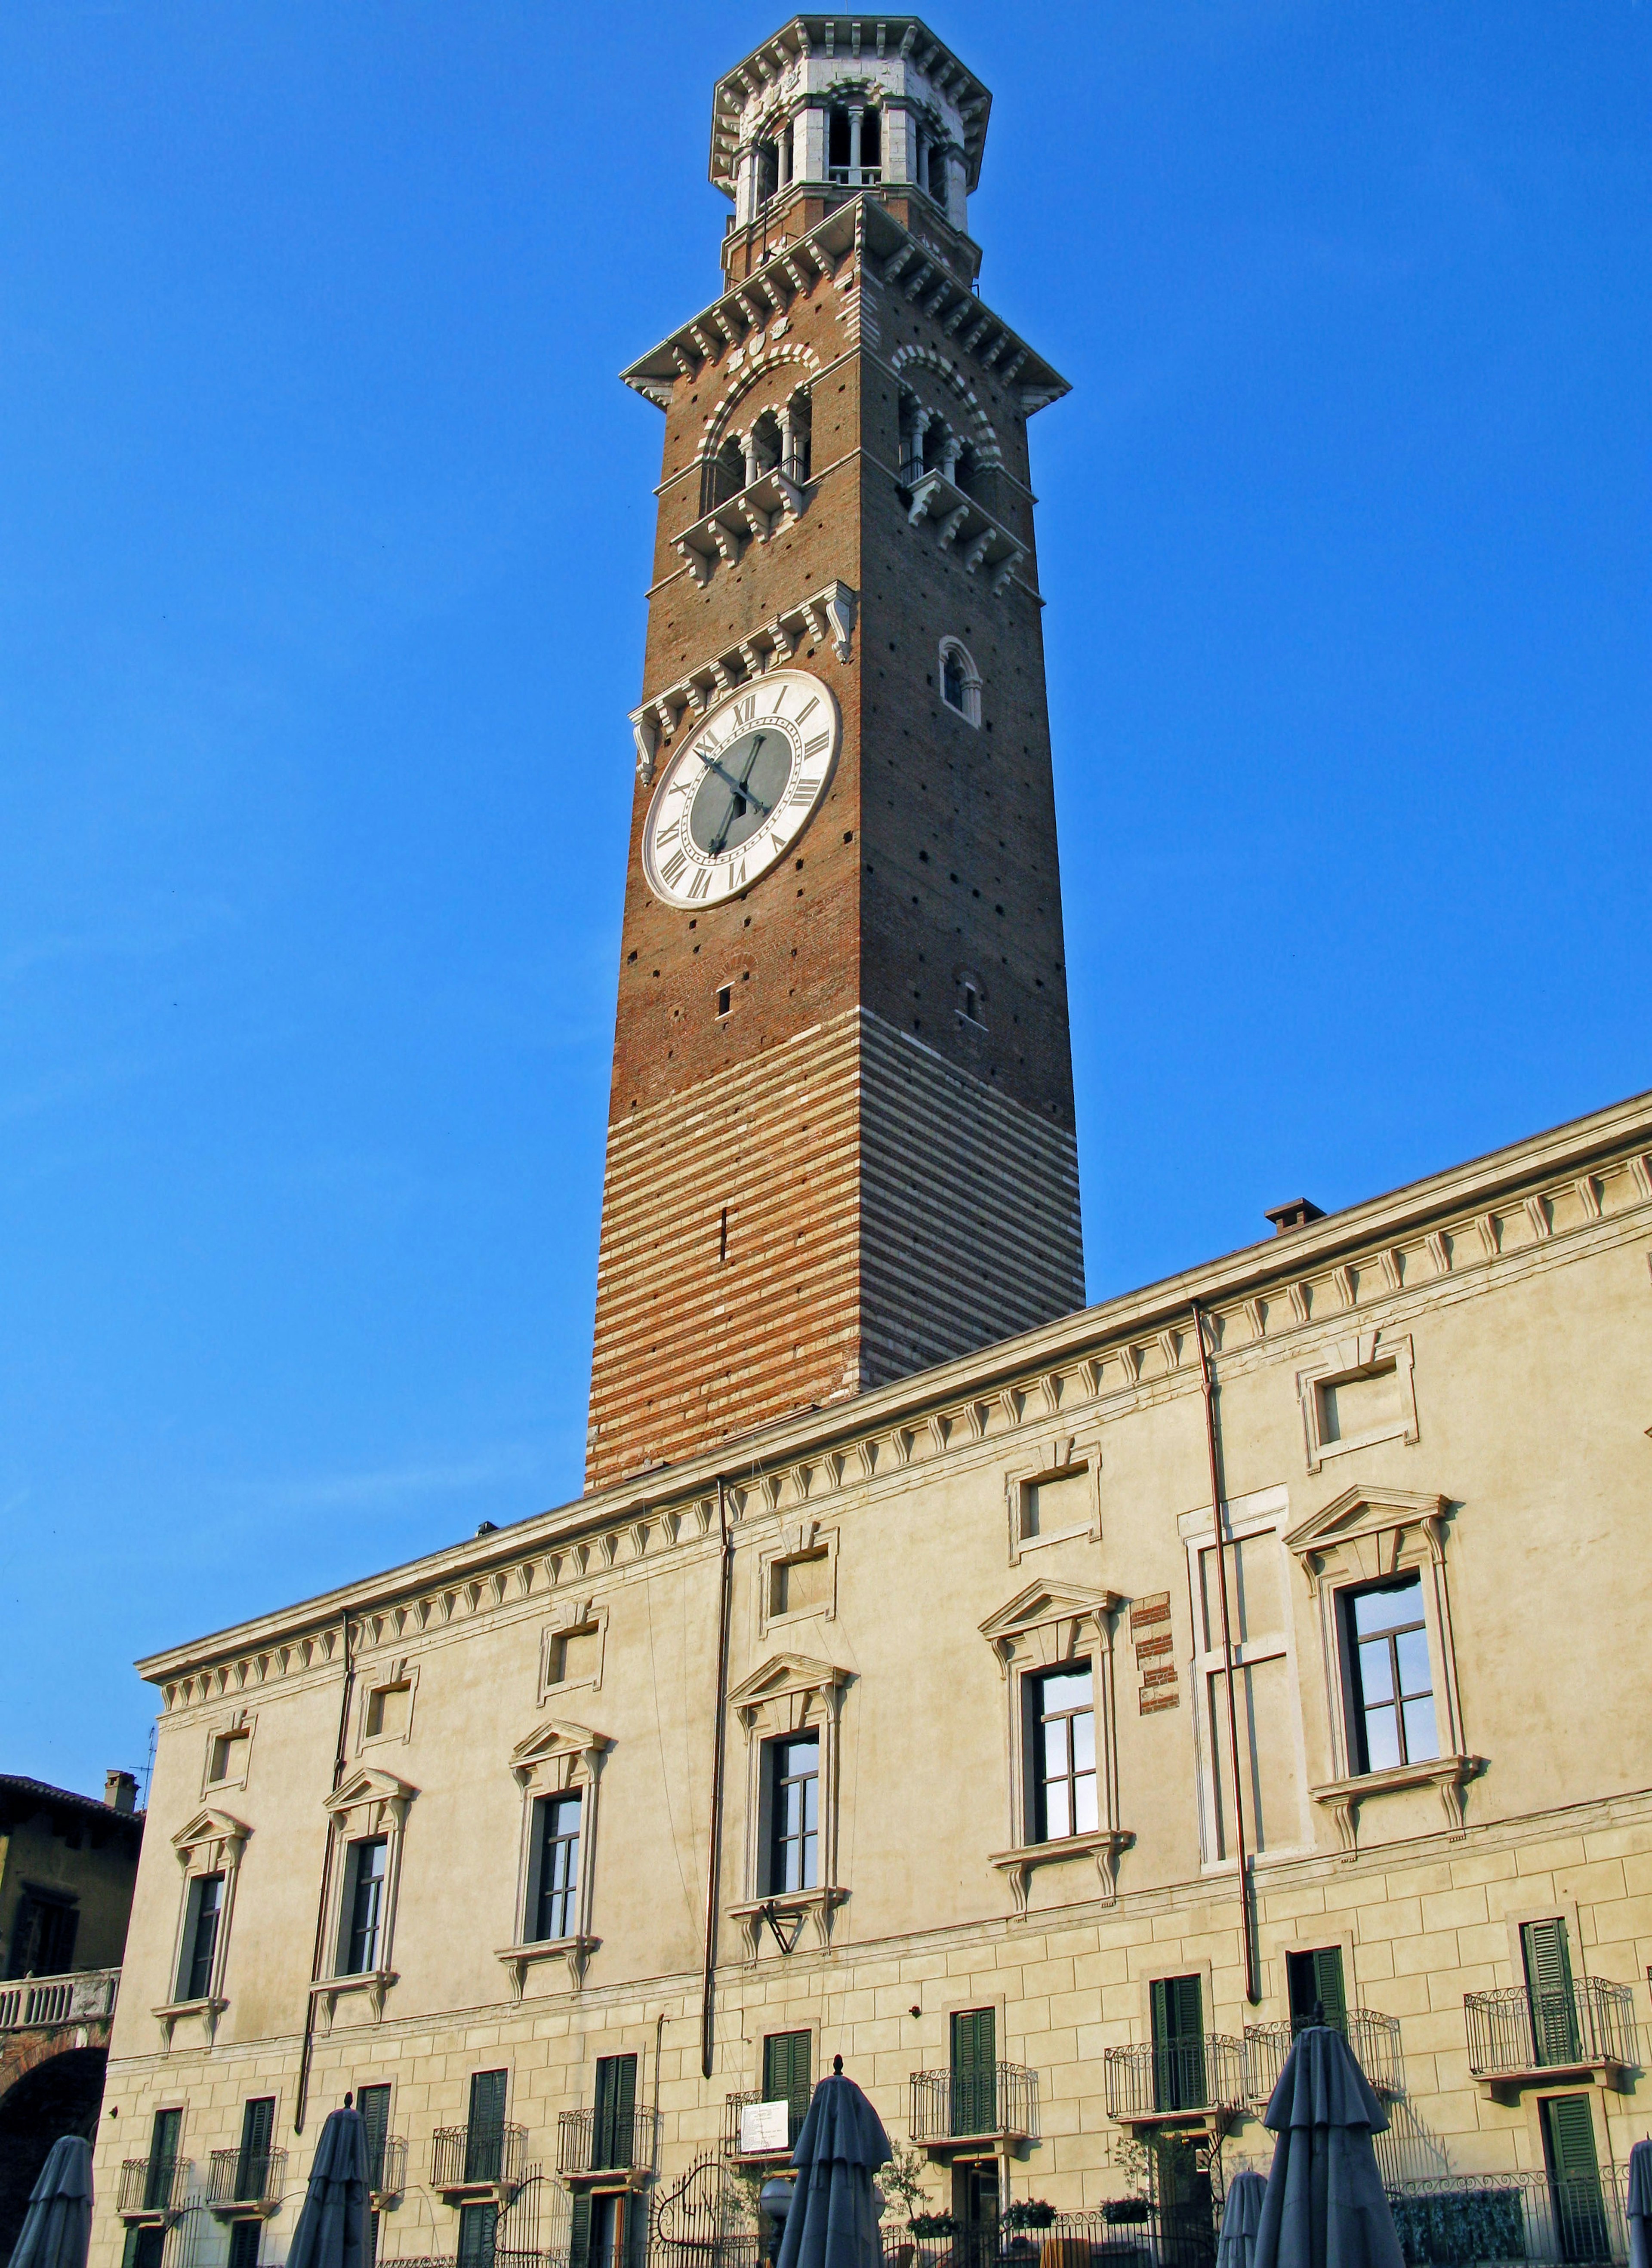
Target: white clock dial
x: 740, y: 789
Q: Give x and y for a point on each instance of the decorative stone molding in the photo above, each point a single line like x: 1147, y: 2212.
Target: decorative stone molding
x: 572, y: 1648
x: 558, y: 1757
x: 212, y: 1842
x: 1368, y: 1355
x: 1062, y: 1459
x: 377, y: 1723
x: 1342, y: 1798
x: 229, y: 1743
x: 800, y: 1541
x: 1045, y: 1627
x: 367, y: 1802
x: 827, y: 616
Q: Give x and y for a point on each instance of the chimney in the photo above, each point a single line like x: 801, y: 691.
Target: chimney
x: 120, y: 1790
x: 1297, y: 1214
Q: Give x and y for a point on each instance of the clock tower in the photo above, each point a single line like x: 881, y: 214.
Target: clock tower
x: 841, y: 1143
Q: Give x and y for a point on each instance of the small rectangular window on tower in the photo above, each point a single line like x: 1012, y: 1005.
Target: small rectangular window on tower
x: 725, y: 998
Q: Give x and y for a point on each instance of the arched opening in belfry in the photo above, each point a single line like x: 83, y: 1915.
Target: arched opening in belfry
x: 725, y: 474
x: 61, y: 2095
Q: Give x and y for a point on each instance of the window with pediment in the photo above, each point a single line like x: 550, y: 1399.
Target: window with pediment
x: 1054, y: 1645
x: 558, y: 1769
x: 790, y: 1710
x: 1376, y: 1568
x: 368, y: 1813
x: 209, y: 1849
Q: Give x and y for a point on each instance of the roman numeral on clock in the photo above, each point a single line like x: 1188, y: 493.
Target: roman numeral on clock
x: 700, y: 884
x: 814, y: 748
x: 672, y: 872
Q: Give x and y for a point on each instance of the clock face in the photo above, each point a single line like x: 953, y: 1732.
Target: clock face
x: 740, y: 789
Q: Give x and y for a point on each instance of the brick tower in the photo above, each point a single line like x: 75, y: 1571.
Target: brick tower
x: 841, y: 1143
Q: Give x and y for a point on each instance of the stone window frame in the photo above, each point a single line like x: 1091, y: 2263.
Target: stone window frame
x: 1261, y: 1512
x: 573, y: 1618
x: 239, y: 1725
x: 558, y: 1757
x: 970, y: 711
x: 798, y: 1539
x: 214, y: 1842
x: 369, y: 1803
x: 1058, y: 1458
x: 1363, y: 1356
x: 788, y: 1694
x: 1364, y: 1536
x: 1042, y: 1628
x: 403, y: 1670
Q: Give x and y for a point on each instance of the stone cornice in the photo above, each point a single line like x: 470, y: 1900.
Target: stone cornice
x: 1448, y: 1234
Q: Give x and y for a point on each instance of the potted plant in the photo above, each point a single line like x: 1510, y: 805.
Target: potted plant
x: 901, y: 2183
x: 928, y: 2225
x: 1127, y: 2209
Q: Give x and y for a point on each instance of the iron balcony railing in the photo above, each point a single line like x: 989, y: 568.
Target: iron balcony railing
x: 248, y: 2178
x: 1072, y: 2240
x: 152, y: 2184
x: 993, y: 2098
x: 477, y: 2156
x: 733, y: 2105
x: 622, y: 2142
x: 81, y: 1997
x: 1171, y: 2077
x: 387, y: 2165
x: 1375, y: 2039
x: 1515, y: 2029
x: 1469, y: 2220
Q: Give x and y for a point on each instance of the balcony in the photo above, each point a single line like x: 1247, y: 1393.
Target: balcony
x: 588, y: 2147
x: 855, y: 177
x: 387, y: 2169
x: 1190, y: 2082
x: 733, y: 2105
x: 85, y: 1996
x: 1373, y: 2038
x: 242, y: 2183
x: 153, y: 2188
x: 771, y: 503
x: 1520, y: 2038
x: 983, y: 544
x: 998, y: 2102
x: 1459, y: 2220
x: 479, y: 2159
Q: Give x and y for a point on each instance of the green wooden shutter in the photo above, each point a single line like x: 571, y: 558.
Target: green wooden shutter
x: 484, y: 2136
x: 1178, y: 2009
x: 1549, y: 1987
x: 975, y: 2072
x: 1569, y: 2141
x: 1317, y: 1977
x: 615, y: 2111
x: 258, y: 2120
x: 374, y: 2102
x: 580, y: 2231
x: 787, y: 2075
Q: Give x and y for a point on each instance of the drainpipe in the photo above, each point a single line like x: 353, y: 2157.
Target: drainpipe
x: 1253, y: 1982
x: 713, y: 1877
x: 340, y: 1753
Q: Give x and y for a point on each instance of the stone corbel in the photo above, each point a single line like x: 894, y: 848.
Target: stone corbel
x: 169, y: 2013
x: 574, y: 1951
x: 1103, y: 1846
x: 646, y: 738
x: 840, y: 611
x: 326, y: 1991
x: 782, y: 1919
x: 1342, y: 1798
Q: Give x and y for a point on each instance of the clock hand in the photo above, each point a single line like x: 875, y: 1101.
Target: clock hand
x: 740, y: 793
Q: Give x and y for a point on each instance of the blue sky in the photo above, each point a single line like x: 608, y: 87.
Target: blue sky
x: 324, y: 529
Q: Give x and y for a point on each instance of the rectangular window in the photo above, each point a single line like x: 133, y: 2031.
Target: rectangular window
x: 555, y: 1867
x: 202, y: 1916
x: 42, y: 1935
x: 794, y: 1813
x: 484, y: 2129
x: 575, y: 1656
x: 787, y: 2074
x: 244, y: 2242
x: 252, y: 2168
x: 1178, y: 2042
x: 478, y: 2227
x: 801, y: 1586
x: 389, y: 1708
x: 374, y: 2102
x: 1548, y: 1966
x: 229, y: 1757
x: 1061, y: 1747
x: 1386, y: 1638
x: 1573, y: 2170
x: 613, y: 2141
x: 364, y: 1881
x: 144, y: 2246
x: 1315, y: 1980
x: 1061, y: 1504
x: 163, y: 2138
x: 1351, y: 1407
x: 974, y: 2045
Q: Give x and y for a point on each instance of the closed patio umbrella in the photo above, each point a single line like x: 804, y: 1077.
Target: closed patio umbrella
x: 57, y: 2227
x: 1324, y: 2206
x: 833, y: 2220
x: 1640, y: 2206
x: 1240, y: 2217
x: 332, y: 2230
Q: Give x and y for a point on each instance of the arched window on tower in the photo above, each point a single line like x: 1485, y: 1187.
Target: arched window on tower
x: 768, y: 170
x: 960, y: 680
x: 935, y: 159
x: 795, y: 437
x: 724, y: 476
x: 837, y: 144
x: 872, y: 148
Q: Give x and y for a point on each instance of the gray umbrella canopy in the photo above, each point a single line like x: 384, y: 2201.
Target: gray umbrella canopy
x: 833, y: 2222
x: 1241, y: 2219
x: 332, y: 2230
x: 57, y: 2227
x: 1640, y: 2206
x: 1324, y: 2206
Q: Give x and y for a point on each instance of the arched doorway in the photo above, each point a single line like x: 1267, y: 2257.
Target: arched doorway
x: 61, y: 2095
